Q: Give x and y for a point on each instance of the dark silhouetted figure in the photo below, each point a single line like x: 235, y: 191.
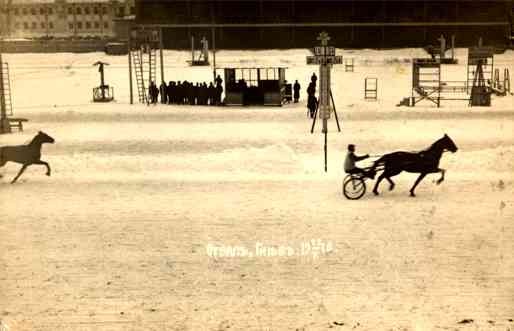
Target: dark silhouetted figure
x: 164, y: 92
x: 219, y: 91
x: 424, y: 162
x: 180, y: 93
x: 312, y: 102
x: 211, y: 92
x: 153, y: 92
x: 203, y: 96
x: 218, y: 80
x: 193, y: 93
x: 185, y: 92
x: 296, y: 91
x: 26, y: 154
x: 170, y: 92
x: 314, y: 78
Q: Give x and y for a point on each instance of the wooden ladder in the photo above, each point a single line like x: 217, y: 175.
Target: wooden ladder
x: 6, y: 84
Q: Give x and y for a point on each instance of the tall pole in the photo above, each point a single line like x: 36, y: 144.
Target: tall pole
x: 453, y: 46
x: 161, y: 54
x: 192, y: 50
x: 102, y: 81
x: 326, y: 154
x: 213, y: 35
x: 129, y: 45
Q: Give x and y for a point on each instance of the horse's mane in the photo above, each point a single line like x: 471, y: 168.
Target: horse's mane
x: 34, y: 139
x: 431, y: 147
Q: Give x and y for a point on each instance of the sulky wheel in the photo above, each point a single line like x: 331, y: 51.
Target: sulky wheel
x: 354, y: 187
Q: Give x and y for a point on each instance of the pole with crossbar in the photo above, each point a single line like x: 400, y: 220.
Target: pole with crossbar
x: 325, y: 57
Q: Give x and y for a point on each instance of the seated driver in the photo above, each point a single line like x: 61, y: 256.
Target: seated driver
x: 351, y: 159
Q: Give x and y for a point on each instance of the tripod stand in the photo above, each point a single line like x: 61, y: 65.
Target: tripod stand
x: 325, y: 130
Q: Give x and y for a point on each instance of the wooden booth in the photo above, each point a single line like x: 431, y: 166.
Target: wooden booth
x: 254, y: 86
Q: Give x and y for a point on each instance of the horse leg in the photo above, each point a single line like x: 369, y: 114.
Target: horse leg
x: 19, y: 173
x: 45, y: 164
x: 421, y: 176
x: 440, y: 180
x: 375, y: 189
x: 391, y: 183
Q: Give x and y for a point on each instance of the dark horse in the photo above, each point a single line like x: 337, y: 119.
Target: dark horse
x: 424, y: 162
x: 26, y: 154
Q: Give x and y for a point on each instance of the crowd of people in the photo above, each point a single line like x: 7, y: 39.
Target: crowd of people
x: 187, y: 93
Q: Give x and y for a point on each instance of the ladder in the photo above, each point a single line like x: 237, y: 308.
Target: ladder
x: 140, y: 81
x: 6, y: 87
x: 145, y: 67
x: 151, y: 64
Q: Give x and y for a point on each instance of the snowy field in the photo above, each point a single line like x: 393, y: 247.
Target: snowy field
x: 120, y: 236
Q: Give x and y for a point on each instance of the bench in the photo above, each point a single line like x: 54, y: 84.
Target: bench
x: 17, y: 122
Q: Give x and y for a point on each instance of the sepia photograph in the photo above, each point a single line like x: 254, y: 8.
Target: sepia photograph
x: 256, y: 165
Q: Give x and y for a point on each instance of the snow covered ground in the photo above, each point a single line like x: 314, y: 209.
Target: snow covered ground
x: 120, y: 236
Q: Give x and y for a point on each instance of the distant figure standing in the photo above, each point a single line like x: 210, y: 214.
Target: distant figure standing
x: 171, y: 92
x: 179, y: 93
x: 219, y: 91
x: 163, y: 89
x: 296, y: 90
x: 314, y: 79
x: 153, y: 92
x: 211, y: 93
x: 218, y: 80
x: 312, y: 102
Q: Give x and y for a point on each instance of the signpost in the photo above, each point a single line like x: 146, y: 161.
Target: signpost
x: 325, y: 56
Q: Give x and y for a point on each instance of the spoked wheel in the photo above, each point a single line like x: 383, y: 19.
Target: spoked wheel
x: 354, y: 187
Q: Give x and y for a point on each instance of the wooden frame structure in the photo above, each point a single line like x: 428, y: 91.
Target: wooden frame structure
x: 484, y: 55
x: 254, y: 85
x: 349, y: 64
x: 427, y: 84
x: 371, y: 88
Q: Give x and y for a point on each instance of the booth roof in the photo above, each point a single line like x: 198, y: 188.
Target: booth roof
x: 252, y: 68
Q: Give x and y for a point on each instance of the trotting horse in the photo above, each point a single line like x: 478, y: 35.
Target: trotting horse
x: 26, y: 154
x: 424, y: 162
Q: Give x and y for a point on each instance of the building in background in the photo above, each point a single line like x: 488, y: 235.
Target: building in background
x: 350, y: 23
x: 62, y: 18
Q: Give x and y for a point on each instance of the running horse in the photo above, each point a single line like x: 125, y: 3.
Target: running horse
x: 26, y: 154
x: 424, y: 162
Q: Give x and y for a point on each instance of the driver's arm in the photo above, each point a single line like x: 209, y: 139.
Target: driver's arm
x: 363, y: 157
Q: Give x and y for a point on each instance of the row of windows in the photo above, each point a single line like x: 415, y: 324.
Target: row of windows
x: 33, y: 11
x: 71, y: 11
x: 79, y: 25
x: 88, y: 25
x: 34, y: 25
